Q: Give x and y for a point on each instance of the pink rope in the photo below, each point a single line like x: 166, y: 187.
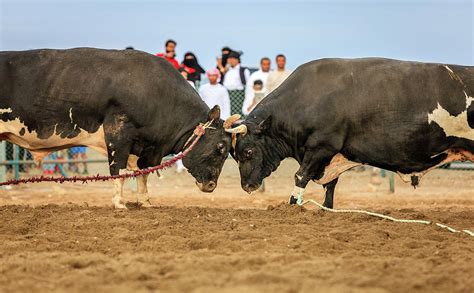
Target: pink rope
x: 198, y: 132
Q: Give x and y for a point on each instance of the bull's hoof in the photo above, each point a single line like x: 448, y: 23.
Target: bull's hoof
x: 293, y: 200
x: 328, y: 206
x: 131, y: 205
x: 120, y: 206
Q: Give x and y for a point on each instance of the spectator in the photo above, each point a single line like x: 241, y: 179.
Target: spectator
x: 78, y: 153
x: 53, y: 168
x: 222, y: 61
x: 191, y: 65
x: 213, y: 93
x: 262, y: 75
x: 170, y: 53
x: 234, y: 81
x: 276, y: 77
x: 257, y: 95
x: 185, y: 74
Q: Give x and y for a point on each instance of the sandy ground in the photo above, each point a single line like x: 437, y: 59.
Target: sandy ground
x: 68, y: 238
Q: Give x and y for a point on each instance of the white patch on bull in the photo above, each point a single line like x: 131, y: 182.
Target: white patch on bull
x: 468, y: 99
x: 453, y: 75
x: 113, y: 153
x: 299, y: 177
x: 449, y: 69
x: 7, y: 110
x: 457, y: 126
x: 30, y: 140
x: 70, y: 115
x: 453, y: 155
x: 338, y: 165
x: 55, y: 128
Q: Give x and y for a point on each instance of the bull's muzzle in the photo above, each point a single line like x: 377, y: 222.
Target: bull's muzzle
x: 207, y: 187
x: 249, y: 188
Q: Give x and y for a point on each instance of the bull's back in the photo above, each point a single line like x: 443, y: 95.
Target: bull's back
x: 54, y: 98
x: 406, y: 113
x: 381, y: 109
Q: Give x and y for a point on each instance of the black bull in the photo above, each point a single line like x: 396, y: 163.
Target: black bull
x: 129, y: 105
x: 334, y: 114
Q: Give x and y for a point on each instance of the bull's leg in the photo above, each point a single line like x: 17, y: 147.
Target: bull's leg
x: 115, y: 169
x: 118, y: 191
x: 329, y: 187
x: 311, y: 168
x: 142, y: 190
x: 118, y: 156
x: 296, y: 196
x: 119, y: 138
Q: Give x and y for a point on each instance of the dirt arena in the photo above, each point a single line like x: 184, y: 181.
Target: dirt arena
x: 68, y: 238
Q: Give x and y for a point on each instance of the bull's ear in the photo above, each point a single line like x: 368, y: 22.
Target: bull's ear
x: 264, y: 125
x: 214, y: 114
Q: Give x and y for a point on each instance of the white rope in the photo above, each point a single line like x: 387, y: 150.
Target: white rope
x: 469, y: 232
x: 450, y: 229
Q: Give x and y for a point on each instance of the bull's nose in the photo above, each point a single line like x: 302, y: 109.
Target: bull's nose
x: 207, y: 187
x: 250, y: 187
x: 211, y: 185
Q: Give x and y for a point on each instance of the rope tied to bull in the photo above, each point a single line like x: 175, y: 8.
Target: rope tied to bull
x: 198, y: 132
x: 450, y: 229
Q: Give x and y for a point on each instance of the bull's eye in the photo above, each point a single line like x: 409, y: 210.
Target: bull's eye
x: 221, y: 147
x: 248, y: 153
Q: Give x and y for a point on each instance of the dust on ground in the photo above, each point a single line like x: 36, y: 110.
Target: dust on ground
x: 68, y: 238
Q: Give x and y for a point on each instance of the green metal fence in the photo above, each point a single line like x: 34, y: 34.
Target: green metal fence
x: 16, y: 162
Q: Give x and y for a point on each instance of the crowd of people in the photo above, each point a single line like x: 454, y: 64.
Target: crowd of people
x: 231, y: 86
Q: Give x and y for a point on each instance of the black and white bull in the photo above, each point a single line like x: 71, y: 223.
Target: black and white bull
x: 334, y: 114
x: 129, y: 105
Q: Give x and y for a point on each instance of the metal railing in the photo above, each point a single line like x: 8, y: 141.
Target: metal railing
x: 14, y: 159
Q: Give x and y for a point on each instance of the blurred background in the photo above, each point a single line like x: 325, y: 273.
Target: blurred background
x: 423, y: 30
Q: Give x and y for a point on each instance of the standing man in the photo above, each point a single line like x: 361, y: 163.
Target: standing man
x: 262, y: 75
x: 234, y: 81
x: 213, y: 93
x: 170, y: 53
x: 276, y: 77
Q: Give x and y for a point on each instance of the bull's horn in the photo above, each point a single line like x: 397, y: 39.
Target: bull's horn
x: 242, y: 128
x: 229, y: 121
